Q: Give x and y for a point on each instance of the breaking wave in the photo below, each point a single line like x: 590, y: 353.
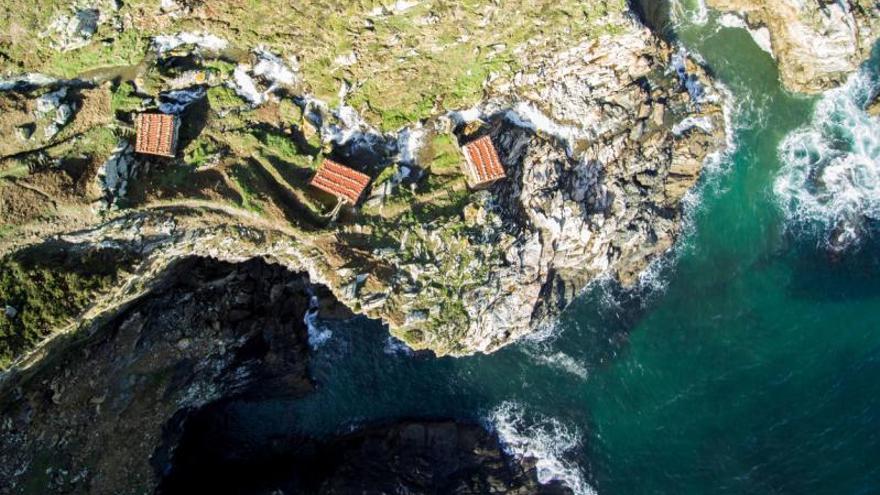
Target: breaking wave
x: 544, y: 440
x: 317, y: 336
x: 829, y: 182
x: 396, y: 347
x: 693, y: 11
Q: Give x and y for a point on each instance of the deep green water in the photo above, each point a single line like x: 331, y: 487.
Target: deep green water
x: 748, y: 364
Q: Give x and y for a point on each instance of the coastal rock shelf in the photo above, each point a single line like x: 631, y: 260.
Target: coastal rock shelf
x: 136, y: 402
x: 817, y: 44
x: 601, y: 139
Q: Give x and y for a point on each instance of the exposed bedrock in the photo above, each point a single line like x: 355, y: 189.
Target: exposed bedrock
x: 218, y: 454
x: 817, y: 43
x: 602, y: 140
x: 87, y: 418
x: 136, y: 403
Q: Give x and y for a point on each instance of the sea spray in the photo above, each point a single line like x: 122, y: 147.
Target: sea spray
x: 396, y: 347
x: 692, y: 11
x: 545, y: 440
x: 317, y: 336
x: 829, y: 183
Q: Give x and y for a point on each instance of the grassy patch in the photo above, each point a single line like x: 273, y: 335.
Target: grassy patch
x: 127, y: 49
x: 222, y: 98
x: 124, y: 100
x: 14, y: 169
x: 245, y: 182
x: 445, y: 155
x: 200, y: 151
x: 48, y: 285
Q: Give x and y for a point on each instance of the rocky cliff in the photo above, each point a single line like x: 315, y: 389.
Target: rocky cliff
x: 817, y: 43
x: 131, y: 404
x: 408, y: 456
x: 603, y: 128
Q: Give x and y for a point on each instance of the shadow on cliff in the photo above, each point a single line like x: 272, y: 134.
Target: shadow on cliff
x: 656, y: 15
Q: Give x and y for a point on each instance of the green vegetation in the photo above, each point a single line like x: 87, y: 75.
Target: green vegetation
x: 246, y: 184
x: 6, y: 230
x: 403, y: 65
x: 124, y: 100
x: 281, y: 146
x: 445, y: 155
x: 48, y: 285
x: 175, y: 176
x: 200, y: 151
x: 128, y: 48
x: 399, y: 66
x: 222, y: 98
x: 14, y: 169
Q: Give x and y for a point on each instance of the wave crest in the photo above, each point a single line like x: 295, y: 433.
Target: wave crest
x: 830, y: 176
x: 545, y: 440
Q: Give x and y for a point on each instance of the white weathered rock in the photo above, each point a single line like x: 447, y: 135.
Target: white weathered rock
x: 75, y: 27
x: 115, y: 174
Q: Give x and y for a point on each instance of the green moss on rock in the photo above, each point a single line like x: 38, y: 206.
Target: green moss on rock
x: 46, y: 286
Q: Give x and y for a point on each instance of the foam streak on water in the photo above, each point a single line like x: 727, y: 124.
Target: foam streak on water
x: 545, y: 440
x: 830, y: 178
x: 691, y: 11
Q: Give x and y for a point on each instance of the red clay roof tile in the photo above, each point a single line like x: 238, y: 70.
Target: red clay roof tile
x: 483, y: 166
x: 156, y: 134
x: 340, y: 181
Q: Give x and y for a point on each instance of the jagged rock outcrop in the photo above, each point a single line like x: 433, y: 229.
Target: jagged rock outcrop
x: 88, y: 417
x: 137, y: 403
x: 817, y: 43
x: 409, y: 456
x: 601, y: 144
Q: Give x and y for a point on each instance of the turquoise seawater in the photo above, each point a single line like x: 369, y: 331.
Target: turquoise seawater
x: 748, y: 363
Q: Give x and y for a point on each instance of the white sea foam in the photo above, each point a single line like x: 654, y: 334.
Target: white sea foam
x: 545, y: 440
x: 317, y: 336
x: 694, y: 12
x: 701, y: 14
x: 703, y: 123
x: 396, y: 347
x: 557, y: 360
x: 714, y: 167
x: 830, y: 178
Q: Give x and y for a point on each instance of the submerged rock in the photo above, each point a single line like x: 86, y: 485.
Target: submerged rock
x: 874, y: 107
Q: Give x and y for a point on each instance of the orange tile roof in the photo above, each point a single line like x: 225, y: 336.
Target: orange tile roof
x: 340, y: 181
x: 483, y: 166
x: 156, y: 134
